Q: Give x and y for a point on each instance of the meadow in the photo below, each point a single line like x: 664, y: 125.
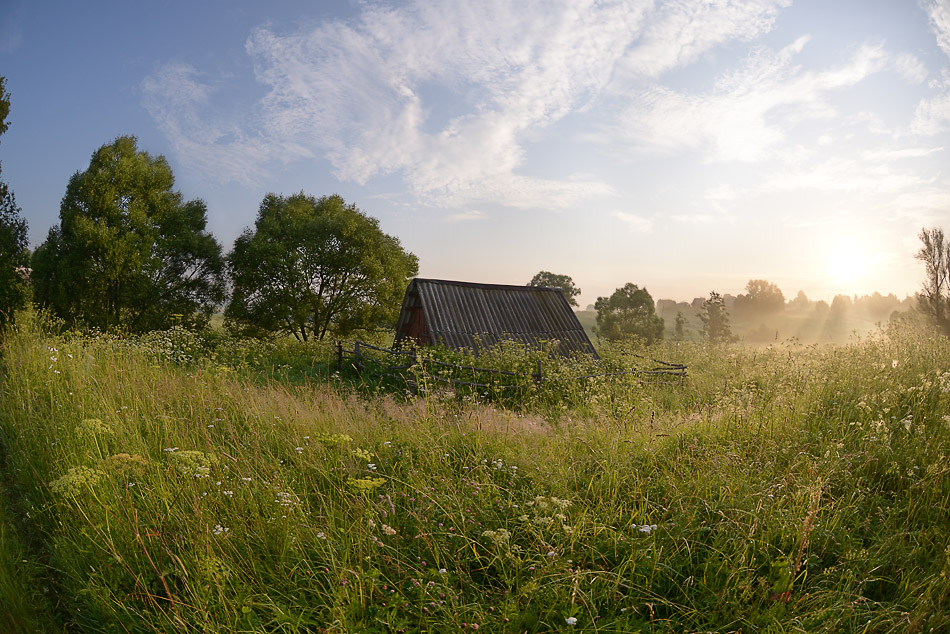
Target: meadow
x: 191, y: 482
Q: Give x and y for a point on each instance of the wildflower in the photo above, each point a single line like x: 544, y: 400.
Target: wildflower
x: 299, y: 449
x: 72, y: 483
x: 646, y: 528
x: 228, y: 493
x: 571, y: 620
x: 219, y: 530
x: 91, y: 428
x: 371, y: 466
x: 498, y: 538
x: 442, y: 571
x: 321, y: 535
x: 366, y: 484
x: 389, y: 530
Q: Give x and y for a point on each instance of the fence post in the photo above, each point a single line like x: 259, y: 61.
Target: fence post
x: 356, y: 352
x: 539, y: 377
x: 339, y: 355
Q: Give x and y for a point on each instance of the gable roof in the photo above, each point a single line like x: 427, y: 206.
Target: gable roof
x: 469, y: 315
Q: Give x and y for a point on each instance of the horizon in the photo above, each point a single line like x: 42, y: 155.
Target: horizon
x: 685, y: 147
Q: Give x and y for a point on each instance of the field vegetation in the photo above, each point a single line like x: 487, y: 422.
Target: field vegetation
x: 183, y: 481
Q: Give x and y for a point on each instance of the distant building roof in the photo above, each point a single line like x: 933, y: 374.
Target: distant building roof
x: 463, y: 315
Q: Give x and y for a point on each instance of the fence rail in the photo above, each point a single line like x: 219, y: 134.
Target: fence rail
x: 357, y: 358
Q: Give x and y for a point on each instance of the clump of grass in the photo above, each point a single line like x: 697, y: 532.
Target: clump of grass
x: 782, y: 489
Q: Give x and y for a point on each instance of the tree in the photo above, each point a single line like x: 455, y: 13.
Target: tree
x: 934, y: 299
x: 13, y: 237
x: 679, y: 329
x: 563, y: 282
x: 313, y: 266
x: 629, y: 311
x: 715, y: 317
x: 129, y: 252
x: 762, y: 296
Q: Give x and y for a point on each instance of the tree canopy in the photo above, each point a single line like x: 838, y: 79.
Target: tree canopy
x: 313, y: 266
x: 13, y: 237
x: 129, y: 252
x: 628, y: 312
x: 554, y: 280
x: 762, y: 296
x: 715, y: 317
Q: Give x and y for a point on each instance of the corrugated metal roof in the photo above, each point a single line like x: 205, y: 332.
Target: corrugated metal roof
x: 469, y: 315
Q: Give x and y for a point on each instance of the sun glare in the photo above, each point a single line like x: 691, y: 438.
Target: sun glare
x: 847, y: 264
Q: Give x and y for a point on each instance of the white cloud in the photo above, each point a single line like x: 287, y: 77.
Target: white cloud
x: 447, y: 95
x: 637, y: 224
x: 181, y: 104
x: 679, y: 31
x: 748, y: 112
x: 910, y: 68
x: 933, y: 114
x: 939, y: 13
x: 465, y: 216
x: 359, y: 91
x: 887, y: 156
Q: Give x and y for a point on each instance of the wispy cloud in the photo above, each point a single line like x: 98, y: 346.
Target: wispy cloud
x: 748, y: 112
x: 447, y: 95
x: 910, y: 68
x: 637, y: 224
x: 466, y: 216
x: 680, y: 32
x: 179, y: 98
x: 933, y: 113
x: 938, y: 11
x: 11, y: 26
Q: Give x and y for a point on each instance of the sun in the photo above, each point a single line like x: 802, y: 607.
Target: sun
x: 847, y: 263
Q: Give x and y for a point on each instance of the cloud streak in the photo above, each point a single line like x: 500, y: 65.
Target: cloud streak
x: 447, y: 95
x: 748, y: 112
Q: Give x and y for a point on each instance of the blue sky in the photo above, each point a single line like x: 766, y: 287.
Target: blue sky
x: 685, y: 146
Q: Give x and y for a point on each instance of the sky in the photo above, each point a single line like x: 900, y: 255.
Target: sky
x: 685, y: 145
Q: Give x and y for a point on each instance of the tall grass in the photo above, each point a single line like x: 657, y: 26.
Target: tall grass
x: 157, y: 485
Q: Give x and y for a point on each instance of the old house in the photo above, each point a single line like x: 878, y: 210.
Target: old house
x: 465, y: 315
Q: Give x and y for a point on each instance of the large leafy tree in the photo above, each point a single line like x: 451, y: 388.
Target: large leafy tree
x: 628, y: 312
x: 313, y: 266
x: 13, y: 237
x: 129, y: 251
x: 554, y: 280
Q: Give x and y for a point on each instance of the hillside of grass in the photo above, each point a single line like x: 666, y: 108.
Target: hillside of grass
x: 184, y: 482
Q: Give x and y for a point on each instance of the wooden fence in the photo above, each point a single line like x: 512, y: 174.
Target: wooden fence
x: 407, y: 365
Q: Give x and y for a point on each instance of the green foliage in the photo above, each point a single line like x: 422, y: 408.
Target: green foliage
x: 715, y: 317
x: 13, y: 238
x: 629, y: 312
x: 554, y: 280
x: 13, y: 257
x: 313, y: 266
x: 129, y: 252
